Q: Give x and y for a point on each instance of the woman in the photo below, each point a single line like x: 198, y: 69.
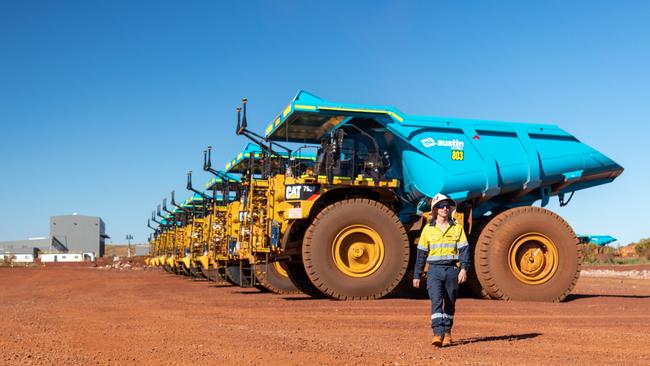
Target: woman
x: 443, y: 245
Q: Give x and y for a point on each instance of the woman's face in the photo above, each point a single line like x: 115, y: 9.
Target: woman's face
x: 444, y: 209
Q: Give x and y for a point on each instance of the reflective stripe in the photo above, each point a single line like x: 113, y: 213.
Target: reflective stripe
x: 463, y: 244
x: 447, y: 316
x: 442, y: 245
x: 442, y: 251
x: 437, y: 315
x: 433, y: 258
x: 423, y: 247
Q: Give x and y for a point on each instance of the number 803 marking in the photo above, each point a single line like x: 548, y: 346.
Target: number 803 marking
x: 457, y: 155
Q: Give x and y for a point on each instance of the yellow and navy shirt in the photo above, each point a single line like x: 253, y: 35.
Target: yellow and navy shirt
x: 440, y: 247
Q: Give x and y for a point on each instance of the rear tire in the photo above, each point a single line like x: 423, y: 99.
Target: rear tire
x: 356, y: 249
x: 529, y: 254
x: 275, y: 279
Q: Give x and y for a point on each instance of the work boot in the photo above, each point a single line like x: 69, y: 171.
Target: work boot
x: 446, y: 341
x: 437, y: 340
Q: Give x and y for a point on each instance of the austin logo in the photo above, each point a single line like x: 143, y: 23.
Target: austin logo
x: 428, y: 142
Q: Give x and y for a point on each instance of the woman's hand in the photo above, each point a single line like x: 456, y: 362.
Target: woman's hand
x: 416, y: 282
x: 462, y: 276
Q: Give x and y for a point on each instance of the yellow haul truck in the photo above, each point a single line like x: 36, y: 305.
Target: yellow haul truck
x: 177, y: 238
x: 155, y: 250
x: 197, y: 232
x: 296, y: 198
x: 256, y: 242
x: 224, y: 189
x: 214, y: 240
x: 164, y: 240
x: 168, y: 253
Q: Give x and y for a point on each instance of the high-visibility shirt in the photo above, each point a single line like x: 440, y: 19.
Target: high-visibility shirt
x: 447, y: 246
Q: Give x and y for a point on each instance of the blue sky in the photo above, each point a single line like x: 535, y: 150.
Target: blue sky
x: 105, y: 105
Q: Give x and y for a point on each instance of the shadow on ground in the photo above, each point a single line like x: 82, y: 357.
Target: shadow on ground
x: 509, y: 337
x: 573, y: 297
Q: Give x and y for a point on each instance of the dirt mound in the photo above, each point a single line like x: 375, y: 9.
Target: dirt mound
x: 102, y: 261
x: 136, y: 263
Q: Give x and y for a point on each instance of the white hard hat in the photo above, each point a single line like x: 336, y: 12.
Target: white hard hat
x: 439, y: 198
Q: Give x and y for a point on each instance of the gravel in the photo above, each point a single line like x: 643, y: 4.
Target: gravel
x: 636, y: 274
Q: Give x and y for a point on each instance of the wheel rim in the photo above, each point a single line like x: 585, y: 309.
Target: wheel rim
x: 533, y: 258
x: 280, y: 269
x: 358, y: 251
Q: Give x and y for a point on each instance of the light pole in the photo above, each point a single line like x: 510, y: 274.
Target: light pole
x: 129, y: 237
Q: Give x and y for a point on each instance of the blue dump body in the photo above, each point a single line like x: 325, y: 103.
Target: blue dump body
x: 491, y: 164
x: 218, y: 181
x: 240, y: 164
x: 195, y: 199
x: 601, y: 240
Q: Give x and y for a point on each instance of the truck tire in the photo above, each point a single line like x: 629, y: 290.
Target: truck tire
x: 472, y: 287
x: 405, y: 288
x: 233, y: 273
x: 185, y: 271
x: 209, y: 273
x: 298, y: 276
x: 527, y: 253
x: 197, y: 273
x: 274, y: 277
x: 216, y: 274
x: 356, y: 249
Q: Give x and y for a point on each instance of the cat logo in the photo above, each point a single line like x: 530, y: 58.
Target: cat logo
x: 298, y: 191
x: 293, y: 192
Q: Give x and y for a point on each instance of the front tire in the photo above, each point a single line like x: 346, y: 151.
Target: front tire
x: 356, y: 249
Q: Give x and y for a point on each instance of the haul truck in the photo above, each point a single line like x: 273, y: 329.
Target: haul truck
x: 180, y: 232
x: 214, y: 259
x: 168, y: 223
x: 256, y: 241
x: 348, y: 230
x: 197, y: 209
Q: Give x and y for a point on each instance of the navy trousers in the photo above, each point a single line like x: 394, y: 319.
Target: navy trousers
x: 442, y: 285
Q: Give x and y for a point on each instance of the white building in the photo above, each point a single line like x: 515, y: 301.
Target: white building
x: 24, y: 258
x: 61, y: 257
x: 66, y: 257
x: 17, y: 258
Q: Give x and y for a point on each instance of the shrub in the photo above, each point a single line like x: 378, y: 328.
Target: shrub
x: 643, y: 248
x: 589, y: 253
x: 592, y: 253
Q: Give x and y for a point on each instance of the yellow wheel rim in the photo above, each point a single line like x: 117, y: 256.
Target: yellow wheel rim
x: 279, y: 267
x: 533, y: 258
x: 358, y: 251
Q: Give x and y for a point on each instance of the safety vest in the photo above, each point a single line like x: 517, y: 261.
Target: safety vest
x: 442, y: 246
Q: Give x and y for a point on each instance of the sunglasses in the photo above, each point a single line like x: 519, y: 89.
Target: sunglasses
x: 445, y: 205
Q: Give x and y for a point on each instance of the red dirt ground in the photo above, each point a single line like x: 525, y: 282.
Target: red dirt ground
x: 88, y: 316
